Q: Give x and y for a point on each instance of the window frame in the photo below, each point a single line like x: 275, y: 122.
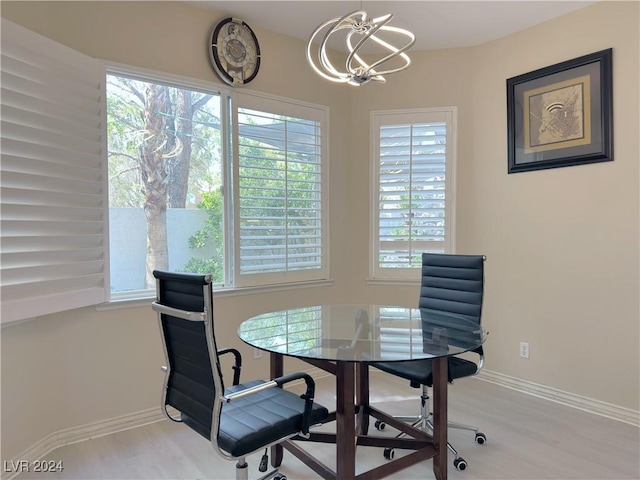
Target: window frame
x: 23, y: 308
x: 381, y: 118
x: 231, y: 100
x: 175, y: 81
x: 286, y: 107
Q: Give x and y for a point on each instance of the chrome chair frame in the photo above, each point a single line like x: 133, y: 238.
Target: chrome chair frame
x: 223, y: 397
x: 424, y: 418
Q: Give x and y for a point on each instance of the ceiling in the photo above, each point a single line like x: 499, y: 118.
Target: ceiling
x: 436, y: 24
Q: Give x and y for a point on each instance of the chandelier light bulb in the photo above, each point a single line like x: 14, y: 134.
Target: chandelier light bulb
x: 361, y: 29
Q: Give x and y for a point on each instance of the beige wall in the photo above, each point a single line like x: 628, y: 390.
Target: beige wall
x: 78, y: 367
x: 562, y: 244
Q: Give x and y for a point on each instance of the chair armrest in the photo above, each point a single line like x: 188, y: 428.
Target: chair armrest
x: 237, y: 366
x: 308, y: 396
x: 176, y: 312
x: 279, y: 382
x: 480, y: 363
x: 290, y: 377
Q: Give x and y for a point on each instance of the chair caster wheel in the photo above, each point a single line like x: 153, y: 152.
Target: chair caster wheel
x: 389, y: 453
x: 280, y: 476
x: 460, y: 464
x: 380, y: 425
x: 481, y: 438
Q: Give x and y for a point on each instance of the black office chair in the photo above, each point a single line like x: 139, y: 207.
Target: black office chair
x: 451, y: 285
x: 238, y: 420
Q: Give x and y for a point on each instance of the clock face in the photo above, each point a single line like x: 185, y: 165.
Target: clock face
x: 234, y: 52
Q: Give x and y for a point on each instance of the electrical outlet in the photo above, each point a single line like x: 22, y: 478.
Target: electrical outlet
x: 524, y: 350
x: 257, y: 353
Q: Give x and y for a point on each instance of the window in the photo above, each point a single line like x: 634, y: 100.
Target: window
x: 279, y: 197
x: 198, y: 180
x: 413, y: 181
x: 165, y: 182
x: 187, y: 196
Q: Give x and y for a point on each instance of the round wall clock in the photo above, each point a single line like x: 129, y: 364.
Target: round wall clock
x: 234, y: 52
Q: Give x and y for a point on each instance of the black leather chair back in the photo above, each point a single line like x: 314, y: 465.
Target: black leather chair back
x: 190, y: 385
x: 452, y: 284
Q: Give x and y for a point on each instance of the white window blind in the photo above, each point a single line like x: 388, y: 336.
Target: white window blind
x: 414, y: 187
x: 52, y: 185
x: 279, y: 192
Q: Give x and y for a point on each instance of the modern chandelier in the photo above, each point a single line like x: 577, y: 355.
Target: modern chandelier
x: 360, y: 30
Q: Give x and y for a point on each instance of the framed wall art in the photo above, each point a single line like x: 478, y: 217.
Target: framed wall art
x: 561, y: 115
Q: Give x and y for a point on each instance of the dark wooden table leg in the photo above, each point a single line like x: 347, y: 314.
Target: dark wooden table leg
x: 276, y: 370
x: 276, y: 365
x: 345, y: 421
x: 440, y: 375
x: 362, y: 397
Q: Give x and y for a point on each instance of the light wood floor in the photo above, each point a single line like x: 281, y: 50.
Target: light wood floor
x: 528, y: 438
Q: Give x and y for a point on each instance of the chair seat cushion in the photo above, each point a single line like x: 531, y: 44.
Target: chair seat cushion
x: 421, y: 371
x: 249, y: 423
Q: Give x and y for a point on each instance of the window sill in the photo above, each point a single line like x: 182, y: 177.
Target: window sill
x: 393, y: 281
x: 145, y: 300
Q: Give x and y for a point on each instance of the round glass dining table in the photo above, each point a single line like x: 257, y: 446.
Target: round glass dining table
x: 362, y: 333
x: 343, y: 340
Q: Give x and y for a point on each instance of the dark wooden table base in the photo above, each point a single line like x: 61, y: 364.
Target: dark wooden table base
x: 352, y: 426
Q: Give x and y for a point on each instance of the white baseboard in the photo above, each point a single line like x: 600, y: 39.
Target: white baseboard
x: 105, y: 427
x: 81, y: 433
x: 586, y: 404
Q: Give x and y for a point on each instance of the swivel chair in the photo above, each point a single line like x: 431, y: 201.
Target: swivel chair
x: 238, y: 420
x: 451, y: 285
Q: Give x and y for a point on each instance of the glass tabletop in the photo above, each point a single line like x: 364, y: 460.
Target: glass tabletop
x: 362, y: 333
